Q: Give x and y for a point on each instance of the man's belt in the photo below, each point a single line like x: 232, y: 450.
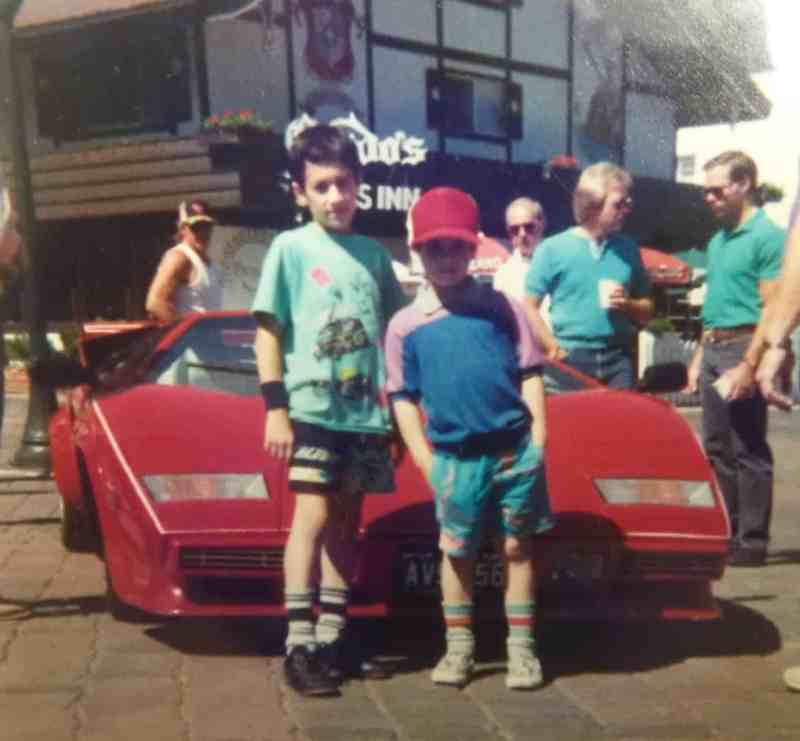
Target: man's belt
x: 715, y: 335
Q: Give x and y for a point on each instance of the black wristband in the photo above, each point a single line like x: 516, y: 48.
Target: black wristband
x: 275, y: 395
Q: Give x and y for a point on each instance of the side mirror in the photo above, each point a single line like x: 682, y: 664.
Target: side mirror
x: 60, y: 371
x: 663, y: 378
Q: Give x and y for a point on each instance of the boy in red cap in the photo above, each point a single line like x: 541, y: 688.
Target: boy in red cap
x: 466, y: 353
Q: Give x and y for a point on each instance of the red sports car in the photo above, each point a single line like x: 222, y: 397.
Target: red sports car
x: 158, y: 457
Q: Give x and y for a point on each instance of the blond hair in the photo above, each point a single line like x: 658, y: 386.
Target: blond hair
x: 593, y: 186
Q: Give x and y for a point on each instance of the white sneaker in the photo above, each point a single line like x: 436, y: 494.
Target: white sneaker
x: 453, y: 669
x: 791, y: 678
x: 524, y: 673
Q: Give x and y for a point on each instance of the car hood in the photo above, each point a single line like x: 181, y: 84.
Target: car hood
x: 161, y: 430
x: 603, y: 434
x: 591, y: 434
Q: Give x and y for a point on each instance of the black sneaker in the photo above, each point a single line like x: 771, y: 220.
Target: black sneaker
x: 341, y: 663
x: 306, y: 674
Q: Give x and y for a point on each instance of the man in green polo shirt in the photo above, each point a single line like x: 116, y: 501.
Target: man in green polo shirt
x: 597, y: 284
x: 744, y: 261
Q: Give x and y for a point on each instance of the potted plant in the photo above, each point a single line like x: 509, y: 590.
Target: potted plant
x: 236, y: 125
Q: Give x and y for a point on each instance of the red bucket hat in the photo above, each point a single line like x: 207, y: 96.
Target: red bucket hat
x: 443, y: 213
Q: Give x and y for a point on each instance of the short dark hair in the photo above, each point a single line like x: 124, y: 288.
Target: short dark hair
x: 740, y: 166
x: 322, y: 145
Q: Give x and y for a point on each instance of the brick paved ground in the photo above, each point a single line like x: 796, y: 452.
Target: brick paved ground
x: 70, y: 672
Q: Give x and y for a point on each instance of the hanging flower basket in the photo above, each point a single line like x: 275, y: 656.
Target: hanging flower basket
x: 235, y: 126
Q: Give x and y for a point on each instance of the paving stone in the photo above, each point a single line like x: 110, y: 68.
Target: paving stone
x: 46, y: 661
x: 38, y: 716
x: 427, y: 711
x: 111, y: 664
x: 546, y: 714
x: 131, y: 709
x: 353, y: 715
x: 234, y: 698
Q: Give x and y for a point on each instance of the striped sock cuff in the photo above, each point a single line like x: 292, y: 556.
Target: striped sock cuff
x: 457, y: 615
x: 330, y: 627
x: 300, y: 618
x: 334, y: 599
x: 298, y: 605
x: 521, y: 622
x: 332, y: 613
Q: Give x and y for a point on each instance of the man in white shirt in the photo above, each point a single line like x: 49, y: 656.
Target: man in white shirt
x: 525, y: 225
x: 10, y: 241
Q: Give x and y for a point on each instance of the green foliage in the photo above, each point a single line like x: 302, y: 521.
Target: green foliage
x: 231, y: 120
x: 18, y: 347
x: 660, y: 325
x: 69, y: 337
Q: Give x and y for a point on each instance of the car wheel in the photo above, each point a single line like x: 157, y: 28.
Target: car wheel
x: 76, y: 535
x: 120, y: 610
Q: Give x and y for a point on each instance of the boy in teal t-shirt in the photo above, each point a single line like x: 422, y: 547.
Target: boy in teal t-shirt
x: 324, y: 298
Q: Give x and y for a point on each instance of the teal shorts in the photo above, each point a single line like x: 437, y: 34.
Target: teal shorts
x: 505, y: 491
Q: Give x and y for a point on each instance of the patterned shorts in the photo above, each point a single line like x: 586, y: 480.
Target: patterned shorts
x: 504, y: 491
x: 327, y: 461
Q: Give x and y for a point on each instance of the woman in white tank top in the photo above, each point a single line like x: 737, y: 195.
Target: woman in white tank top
x: 186, y: 280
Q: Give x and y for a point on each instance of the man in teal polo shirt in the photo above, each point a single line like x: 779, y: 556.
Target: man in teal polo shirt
x: 744, y: 261
x: 597, y: 284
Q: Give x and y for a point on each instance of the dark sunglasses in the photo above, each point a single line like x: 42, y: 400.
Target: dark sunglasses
x: 514, y: 229
x: 625, y: 203
x: 717, y: 191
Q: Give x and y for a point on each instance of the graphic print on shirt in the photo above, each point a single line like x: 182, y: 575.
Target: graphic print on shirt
x: 341, y: 332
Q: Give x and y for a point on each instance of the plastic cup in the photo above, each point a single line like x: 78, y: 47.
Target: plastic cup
x: 605, y: 288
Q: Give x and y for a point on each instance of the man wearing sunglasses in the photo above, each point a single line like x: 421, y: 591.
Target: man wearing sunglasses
x: 525, y: 225
x: 595, y: 279
x: 744, y: 262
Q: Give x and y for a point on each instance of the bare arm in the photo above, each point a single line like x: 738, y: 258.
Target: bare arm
x: 693, y: 371
x: 540, y: 329
x: 533, y: 394
x: 10, y: 240
x: 409, y: 422
x: 743, y: 375
x: 784, y: 314
x: 640, y: 310
x: 173, y: 270
x: 278, y: 433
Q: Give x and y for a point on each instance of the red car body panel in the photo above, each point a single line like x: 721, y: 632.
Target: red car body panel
x: 224, y: 556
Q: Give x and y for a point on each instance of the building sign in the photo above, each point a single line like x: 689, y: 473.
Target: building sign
x: 398, y: 149
x: 387, y: 197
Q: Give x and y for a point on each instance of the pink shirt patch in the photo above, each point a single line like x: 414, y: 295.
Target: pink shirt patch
x: 321, y: 276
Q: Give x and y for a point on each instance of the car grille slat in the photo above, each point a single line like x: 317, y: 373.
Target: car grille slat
x: 637, y: 563
x: 239, y: 559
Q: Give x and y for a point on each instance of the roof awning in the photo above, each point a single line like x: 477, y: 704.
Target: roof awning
x: 703, y: 53
x: 36, y: 15
x: 707, y: 92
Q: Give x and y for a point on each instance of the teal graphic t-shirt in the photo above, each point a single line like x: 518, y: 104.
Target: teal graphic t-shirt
x: 333, y: 294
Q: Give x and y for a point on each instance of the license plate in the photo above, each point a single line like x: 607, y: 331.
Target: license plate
x: 576, y: 570
x: 417, y: 570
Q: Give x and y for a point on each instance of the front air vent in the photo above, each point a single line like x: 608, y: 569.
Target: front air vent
x: 232, y: 559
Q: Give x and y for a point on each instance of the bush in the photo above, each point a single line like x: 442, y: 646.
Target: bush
x: 660, y: 325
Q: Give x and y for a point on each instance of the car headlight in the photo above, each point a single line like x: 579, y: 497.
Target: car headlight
x: 672, y: 492
x: 181, y: 487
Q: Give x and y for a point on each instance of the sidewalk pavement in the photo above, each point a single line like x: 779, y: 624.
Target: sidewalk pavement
x: 14, y: 417
x: 69, y: 672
